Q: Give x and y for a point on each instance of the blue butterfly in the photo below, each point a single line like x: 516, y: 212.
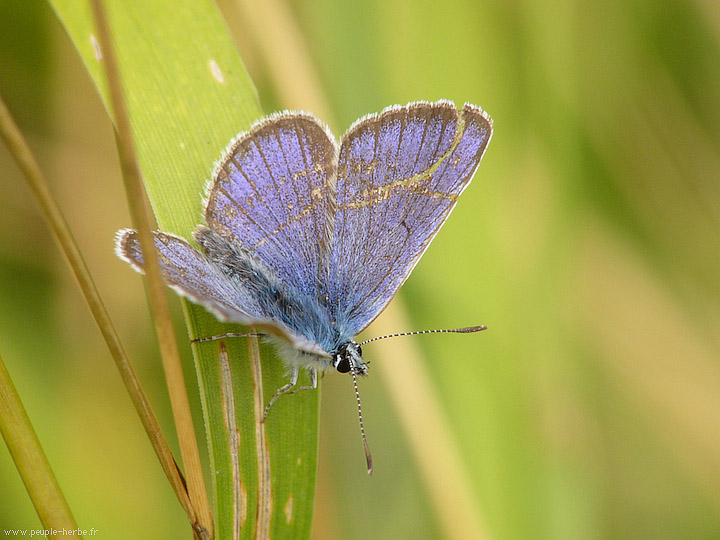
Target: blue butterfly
x: 308, y: 240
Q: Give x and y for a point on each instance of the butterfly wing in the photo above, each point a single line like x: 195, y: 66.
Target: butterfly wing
x: 399, y: 176
x: 189, y: 273
x: 270, y: 192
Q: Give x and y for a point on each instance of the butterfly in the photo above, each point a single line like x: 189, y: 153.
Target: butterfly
x: 308, y: 240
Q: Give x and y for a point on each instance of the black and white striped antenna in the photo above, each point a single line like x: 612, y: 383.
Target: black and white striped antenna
x: 466, y: 330
x: 368, y: 455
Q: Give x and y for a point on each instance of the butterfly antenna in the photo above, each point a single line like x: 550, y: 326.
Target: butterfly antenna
x: 368, y: 455
x: 466, y: 330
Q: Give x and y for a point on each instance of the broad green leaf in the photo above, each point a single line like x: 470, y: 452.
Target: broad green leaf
x: 188, y: 93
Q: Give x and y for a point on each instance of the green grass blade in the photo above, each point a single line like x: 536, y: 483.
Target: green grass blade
x: 188, y: 94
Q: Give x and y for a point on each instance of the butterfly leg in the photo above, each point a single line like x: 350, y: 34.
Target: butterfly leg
x: 313, y: 382
x: 283, y: 389
x: 223, y: 336
x: 290, y: 388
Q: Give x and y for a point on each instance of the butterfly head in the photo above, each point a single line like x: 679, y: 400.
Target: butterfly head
x: 348, y: 358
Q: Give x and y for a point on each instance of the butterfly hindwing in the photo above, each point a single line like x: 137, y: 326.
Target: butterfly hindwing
x: 190, y: 273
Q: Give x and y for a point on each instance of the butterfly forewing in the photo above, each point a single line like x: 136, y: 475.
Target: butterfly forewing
x: 269, y: 192
x: 399, y: 176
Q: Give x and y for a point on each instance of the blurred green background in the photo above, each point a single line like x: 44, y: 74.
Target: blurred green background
x: 588, y: 243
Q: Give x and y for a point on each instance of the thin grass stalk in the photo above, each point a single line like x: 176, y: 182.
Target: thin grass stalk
x: 435, y: 449
x: 32, y: 463
x: 140, y: 213
x: 272, y: 26
x: 31, y: 170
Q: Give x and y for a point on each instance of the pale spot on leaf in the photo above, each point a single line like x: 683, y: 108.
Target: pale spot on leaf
x: 289, y: 509
x: 216, y: 72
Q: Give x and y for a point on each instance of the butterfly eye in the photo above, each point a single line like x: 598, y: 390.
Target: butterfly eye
x: 359, y: 350
x: 343, y: 365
